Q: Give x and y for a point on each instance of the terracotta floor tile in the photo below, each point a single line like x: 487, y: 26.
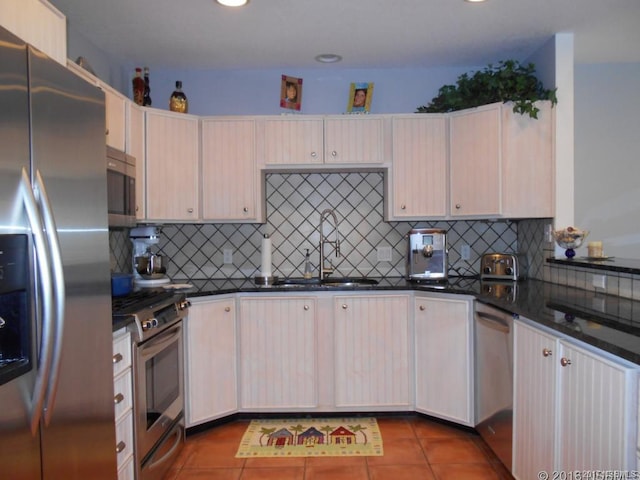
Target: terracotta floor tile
x: 275, y: 462
x: 426, y: 428
x: 405, y: 451
x: 393, y: 428
x: 400, y: 472
x: 469, y: 471
x: 452, y: 450
x: 214, y: 455
x: 231, y: 431
x: 210, y: 474
x: 284, y: 473
x: 336, y: 472
x: 338, y: 461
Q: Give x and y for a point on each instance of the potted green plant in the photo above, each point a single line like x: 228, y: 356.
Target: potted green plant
x: 508, y: 81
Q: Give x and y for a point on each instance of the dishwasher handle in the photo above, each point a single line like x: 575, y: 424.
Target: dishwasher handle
x: 494, y: 322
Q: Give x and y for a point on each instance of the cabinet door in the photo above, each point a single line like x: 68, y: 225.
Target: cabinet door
x: 115, y: 110
x: 136, y: 147
x: 356, y: 139
x: 292, y: 140
x: 444, y: 352
x: 595, y: 411
x: 535, y: 357
x: 528, y: 166
x: 475, y: 162
x: 229, y: 170
x: 419, y: 167
x: 278, y: 353
x: 172, y: 147
x: 372, y: 351
x: 211, y: 355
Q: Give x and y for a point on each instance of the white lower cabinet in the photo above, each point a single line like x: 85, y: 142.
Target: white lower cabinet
x: 278, y: 353
x: 123, y: 404
x: 211, y: 359
x: 444, y: 358
x: 372, y: 349
x: 574, y: 409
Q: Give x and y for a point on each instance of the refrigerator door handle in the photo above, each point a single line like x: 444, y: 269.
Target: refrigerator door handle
x: 44, y: 284
x: 55, y: 257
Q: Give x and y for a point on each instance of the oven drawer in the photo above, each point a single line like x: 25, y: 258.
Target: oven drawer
x: 122, y: 394
x: 121, y: 353
x: 124, y: 438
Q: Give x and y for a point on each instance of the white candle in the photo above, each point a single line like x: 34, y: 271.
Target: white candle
x: 266, y: 256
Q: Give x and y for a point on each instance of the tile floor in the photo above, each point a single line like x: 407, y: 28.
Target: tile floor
x: 415, y: 448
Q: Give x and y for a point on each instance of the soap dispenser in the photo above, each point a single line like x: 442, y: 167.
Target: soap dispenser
x: 307, y: 265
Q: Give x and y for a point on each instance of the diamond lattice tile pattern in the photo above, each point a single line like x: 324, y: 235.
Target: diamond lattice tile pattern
x: 294, y: 202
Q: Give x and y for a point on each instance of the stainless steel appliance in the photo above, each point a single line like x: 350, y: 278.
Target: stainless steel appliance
x: 494, y: 379
x: 427, y: 256
x: 158, y: 376
x: 504, y: 290
x: 56, y: 414
x: 503, y: 266
x: 149, y: 268
x: 121, y: 188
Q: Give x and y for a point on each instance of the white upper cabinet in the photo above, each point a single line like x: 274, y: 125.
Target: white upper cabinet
x: 308, y: 140
x: 116, y: 123
x: 230, y: 190
x: 172, y: 161
x: 39, y: 23
x: 419, y: 170
x: 135, y: 146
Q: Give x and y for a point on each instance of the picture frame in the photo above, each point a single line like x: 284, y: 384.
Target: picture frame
x: 291, y: 93
x: 360, y: 95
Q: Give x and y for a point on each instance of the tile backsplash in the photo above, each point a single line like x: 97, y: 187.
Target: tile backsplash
x: 294, y: 202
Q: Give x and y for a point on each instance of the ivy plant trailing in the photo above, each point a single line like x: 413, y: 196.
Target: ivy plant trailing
x: 509, y: 81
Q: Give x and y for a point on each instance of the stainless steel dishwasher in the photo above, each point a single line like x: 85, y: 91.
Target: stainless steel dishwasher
x: 494, y: 379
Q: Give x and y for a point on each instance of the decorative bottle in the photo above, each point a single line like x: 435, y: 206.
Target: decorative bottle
x: 138, y: 87
x: 178, y: 101
x: 146, y: 99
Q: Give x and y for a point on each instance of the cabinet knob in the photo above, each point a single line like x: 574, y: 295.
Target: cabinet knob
x: 245, y: 209
x: 120, y: 447
x: 458, y: 206
x: 306, y: 307
x: 106, y: 132
x: 344, y: 306
x: 565, y: 361
x: 190, y: 210
x: 422, y: 307
x: 118, y: 398
x: 403, y: 206
x: 546, y: 352
x: 117, y: 358
x: 314, y: 154
x: 227, y: 309
x: 334, y: 154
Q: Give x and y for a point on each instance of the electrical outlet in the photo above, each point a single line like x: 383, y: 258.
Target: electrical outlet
x: 600, y: 281
x: 228, y: 256
x: 384, y: 254
x: 465, y: 252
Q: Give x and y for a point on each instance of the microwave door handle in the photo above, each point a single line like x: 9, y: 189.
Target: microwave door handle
x: 44, y: 284
x: 55, y: 257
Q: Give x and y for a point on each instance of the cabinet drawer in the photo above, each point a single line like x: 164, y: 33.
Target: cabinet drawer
x: 122, y: 395
x: 124, y: 439
x: 121, y: 353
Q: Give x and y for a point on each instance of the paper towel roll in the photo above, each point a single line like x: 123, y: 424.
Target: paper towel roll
x: 266, y: 256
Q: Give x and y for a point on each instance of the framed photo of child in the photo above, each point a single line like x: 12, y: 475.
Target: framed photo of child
x: 291, y: 92
x: 360, y: 95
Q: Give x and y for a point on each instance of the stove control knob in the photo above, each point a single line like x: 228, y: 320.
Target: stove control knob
x: 148, y: 324
x: 184, y: 304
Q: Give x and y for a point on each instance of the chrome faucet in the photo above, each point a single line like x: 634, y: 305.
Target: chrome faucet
x: 324, y: 270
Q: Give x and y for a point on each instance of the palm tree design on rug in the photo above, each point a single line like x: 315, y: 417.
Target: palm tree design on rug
x: 327, y: 429
x: 359, y: 428
x: 265, y: 431
x: 296, y: 429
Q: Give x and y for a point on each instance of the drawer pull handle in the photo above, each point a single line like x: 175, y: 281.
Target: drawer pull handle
x: 120, y: 447
x: 117, y: 358
x: 565, y: 361
x: 422, y: 307
x: 306, y: 307
x: 118, y: 398
x: 344, y: 306
x: 227, y: 309
x: 546, y: 352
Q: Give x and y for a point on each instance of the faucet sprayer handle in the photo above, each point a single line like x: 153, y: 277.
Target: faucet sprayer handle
x: 337, y: 248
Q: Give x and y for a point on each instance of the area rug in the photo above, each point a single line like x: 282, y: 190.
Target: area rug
x: 311, y: 437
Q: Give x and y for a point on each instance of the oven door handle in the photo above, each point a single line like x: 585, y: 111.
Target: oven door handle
x: 161, y: 341
x: 177, y: 433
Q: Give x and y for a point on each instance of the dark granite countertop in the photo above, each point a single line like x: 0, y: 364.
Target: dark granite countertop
x: 612, y: 264
x: 607, y: 322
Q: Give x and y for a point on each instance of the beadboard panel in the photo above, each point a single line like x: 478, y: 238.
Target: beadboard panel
x: 353, y: 140
x: 292, y: 140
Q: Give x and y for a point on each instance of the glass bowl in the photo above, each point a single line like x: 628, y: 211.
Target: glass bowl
x: 570, y: 238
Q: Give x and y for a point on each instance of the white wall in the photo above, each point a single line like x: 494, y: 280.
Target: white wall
x: 607, y: 155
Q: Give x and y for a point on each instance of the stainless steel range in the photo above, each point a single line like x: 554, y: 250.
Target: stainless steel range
x: 158, y: 376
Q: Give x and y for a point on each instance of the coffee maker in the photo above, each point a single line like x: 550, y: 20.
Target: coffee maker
x: 149, y: 268
x: 427, y: 255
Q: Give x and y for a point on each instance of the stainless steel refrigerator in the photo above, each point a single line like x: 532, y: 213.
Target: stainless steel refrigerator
x: 56, y: 385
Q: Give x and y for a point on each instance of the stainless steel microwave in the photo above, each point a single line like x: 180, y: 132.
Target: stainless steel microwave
x: 121, y: 188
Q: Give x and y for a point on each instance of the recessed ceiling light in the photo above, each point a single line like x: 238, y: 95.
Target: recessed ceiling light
x: 328, y: 58
x: 475, y: 1
x: 233, y: 3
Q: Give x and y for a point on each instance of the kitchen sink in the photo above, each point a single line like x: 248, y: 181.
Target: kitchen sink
x: 327, y: 282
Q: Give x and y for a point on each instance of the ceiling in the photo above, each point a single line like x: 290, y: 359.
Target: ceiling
x: 200, y: 34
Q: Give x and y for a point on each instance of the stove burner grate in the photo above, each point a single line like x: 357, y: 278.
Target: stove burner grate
x: 139, y: 300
